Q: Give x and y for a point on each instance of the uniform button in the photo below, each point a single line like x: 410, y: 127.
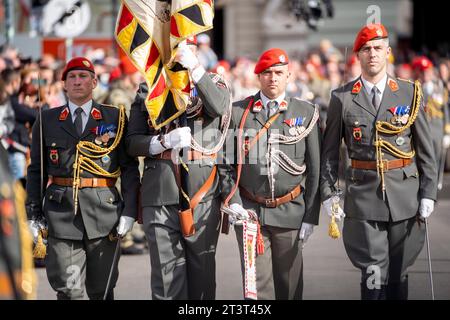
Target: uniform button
x: 53, y: 144
x: 110, y: 200
x: 50, y: 197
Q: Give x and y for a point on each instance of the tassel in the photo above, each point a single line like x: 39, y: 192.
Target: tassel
x: 40, y: 250
x: 333, y: 229
x: 259, y: 242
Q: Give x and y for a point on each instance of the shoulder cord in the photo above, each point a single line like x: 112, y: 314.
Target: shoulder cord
x: 86, y: 151
x: 388, y: 128
x: 276, y: 156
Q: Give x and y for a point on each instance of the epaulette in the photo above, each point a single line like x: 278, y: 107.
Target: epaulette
x: 303, y: 100
x: 109, y: 105
x: 406, y: 80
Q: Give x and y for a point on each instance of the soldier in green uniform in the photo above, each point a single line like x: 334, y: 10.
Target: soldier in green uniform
x: 278, y: 180
x: 436, y: 107
x: 84, y: 153
x: 391, y: 182
x: 182, y: 266
x: 17, y: 276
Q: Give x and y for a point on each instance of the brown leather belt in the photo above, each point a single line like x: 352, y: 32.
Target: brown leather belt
x: 192, y: 155
x: 387, y: 164
x: 85, y: 182
x: 268, y: 202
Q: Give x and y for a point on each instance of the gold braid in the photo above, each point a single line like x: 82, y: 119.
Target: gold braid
x: 29, y: 280
x: 86, y: 151
x: 388, y: 128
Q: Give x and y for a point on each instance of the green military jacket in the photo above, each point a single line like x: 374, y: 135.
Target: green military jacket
x: 100, y: 207
x: 159, y: 185
x: 254, y: 178
x: 352, y: 116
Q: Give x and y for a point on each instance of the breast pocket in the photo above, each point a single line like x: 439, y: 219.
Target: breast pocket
x: 56, y: 151
x: 357, y: 130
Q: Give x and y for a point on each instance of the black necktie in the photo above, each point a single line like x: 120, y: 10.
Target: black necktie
x: 78, y: 121
x: 375, y: 97
x: 271, y: 105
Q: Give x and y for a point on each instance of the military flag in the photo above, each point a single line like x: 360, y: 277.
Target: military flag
x: 148, y: 32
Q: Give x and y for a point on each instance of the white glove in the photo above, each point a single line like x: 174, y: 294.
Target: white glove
x: 125, y: 225
x: 33, y: 225
x: 239, y: 215
x: 446, y: 141
x: 305, y: 231
x: 178, y: 138
x: 328, y: 206
x: 155, y: 146
x: 426, y: 207
x: 186, y: 57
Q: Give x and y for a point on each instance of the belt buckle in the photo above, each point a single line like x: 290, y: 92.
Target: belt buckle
x: 94, y: 182
x: 271, y: 203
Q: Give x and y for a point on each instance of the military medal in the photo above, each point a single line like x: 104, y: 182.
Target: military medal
x: 54, y: 157
x: 98, y: 140
x: 394, y: 120
x: 401, y: 114
x: 104, y: 133
x: 357, y: 134
x: 404, y: 119
x: 399, y: 141
x: 296, y: 125
x: 106, y: 159
x: 293, y: 131
x: 104, y: 138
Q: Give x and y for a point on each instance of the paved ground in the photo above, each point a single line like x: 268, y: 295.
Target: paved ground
x: 328, y: 273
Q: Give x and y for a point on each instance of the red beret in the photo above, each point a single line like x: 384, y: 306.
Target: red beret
x: 126, y: 66
x: 368, y: 33
x: 221, y: 67
x: 192, y: 40
x: 78, y: 63
x: 115, y: 74
x: 421, y: 63
x: 353, y: 60
x: 271, y: 57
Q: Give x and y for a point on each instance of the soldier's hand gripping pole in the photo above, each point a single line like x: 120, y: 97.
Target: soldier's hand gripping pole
x: 427, y: 239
